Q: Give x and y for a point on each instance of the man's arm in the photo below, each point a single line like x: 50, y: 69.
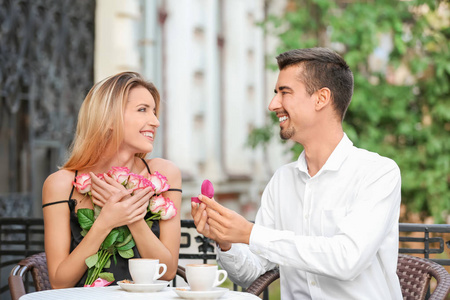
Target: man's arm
x: 342, y: 256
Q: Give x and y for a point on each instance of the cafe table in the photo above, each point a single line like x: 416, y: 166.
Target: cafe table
x: 116, y: 292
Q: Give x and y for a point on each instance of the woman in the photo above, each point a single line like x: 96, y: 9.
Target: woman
x: 116, y: 126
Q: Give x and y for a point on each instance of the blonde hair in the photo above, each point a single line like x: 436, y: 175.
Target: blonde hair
x: 100, y: 120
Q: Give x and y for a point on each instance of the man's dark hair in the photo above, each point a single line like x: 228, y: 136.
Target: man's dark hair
x: 322, y: 67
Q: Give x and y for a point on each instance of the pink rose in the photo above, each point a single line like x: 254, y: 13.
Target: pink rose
x: 169, y: 210
x: 99, y: 282
x: 157, y: 204
x: 159, y: 182
x: 119, y: 174
x: 136, y: 182
x: 83, y: 183
x: 100, y: 176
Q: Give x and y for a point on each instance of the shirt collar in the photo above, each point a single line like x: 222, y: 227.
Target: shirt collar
x: 333, y: 162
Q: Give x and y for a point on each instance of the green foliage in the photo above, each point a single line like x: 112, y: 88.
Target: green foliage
x: 406, y: 118
x: 85, y: 218
x: 107, y: 276
x: 92, y: 260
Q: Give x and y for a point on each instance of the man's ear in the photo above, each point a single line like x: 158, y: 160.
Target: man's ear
x: 323, y: 98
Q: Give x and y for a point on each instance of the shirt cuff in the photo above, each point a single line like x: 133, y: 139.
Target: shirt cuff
x: 229, y: 253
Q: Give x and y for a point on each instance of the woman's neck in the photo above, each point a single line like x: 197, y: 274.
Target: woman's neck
x: 118, y: 160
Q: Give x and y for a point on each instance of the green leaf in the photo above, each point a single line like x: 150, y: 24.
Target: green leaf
x: 110, y: 239
x: 97, y: 210
x: 126, y: 253
x: 149, y: 223
x: 107, y: 264
x: 127, y: 246
x: 121, y: 235
x: 127, y: 239
x: 85, y: 218
x: 92, y: 260
x: 107, y: 276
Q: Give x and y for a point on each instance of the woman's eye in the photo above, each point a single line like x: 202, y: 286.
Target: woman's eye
x: 142, y: 109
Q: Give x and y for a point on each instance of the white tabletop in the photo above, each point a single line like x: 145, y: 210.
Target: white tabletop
x: 116, y: 292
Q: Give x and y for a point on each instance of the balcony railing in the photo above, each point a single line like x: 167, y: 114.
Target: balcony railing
x: 21, y: 237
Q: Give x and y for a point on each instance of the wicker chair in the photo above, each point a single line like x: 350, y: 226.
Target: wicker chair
x: 37, y: 265
x: 413, y: 272
x: 260, y: 284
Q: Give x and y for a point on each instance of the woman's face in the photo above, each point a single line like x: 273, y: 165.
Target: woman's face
x: 140, y: 121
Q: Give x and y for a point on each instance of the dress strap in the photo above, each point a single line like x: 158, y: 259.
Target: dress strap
x: 148, y: 168
x: 70, y: 201
x: 149, y: 172
x: 56, y: 202
x: 73, y: 186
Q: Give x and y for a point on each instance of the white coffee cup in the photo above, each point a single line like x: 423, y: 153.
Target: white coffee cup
x: 146, y: 270
x: 203, y: 277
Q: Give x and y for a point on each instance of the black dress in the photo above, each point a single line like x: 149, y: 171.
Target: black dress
x: 119, y: 269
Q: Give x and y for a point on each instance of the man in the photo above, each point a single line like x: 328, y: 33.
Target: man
x: 328, y: 220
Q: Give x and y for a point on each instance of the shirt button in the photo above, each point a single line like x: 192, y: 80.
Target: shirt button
x: 307, y: 216
x: 313, y: 283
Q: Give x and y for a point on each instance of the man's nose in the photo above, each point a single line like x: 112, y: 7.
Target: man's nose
x: 275, y: 103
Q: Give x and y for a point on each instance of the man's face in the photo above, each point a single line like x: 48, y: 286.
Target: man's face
x: 293, y: 105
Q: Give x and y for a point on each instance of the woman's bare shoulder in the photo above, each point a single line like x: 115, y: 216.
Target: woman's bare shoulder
x: 165, y: 167
x: 57, y: 185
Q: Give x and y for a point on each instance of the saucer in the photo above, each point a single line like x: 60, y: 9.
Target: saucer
x: 143, y: 288
x: 186, y: 293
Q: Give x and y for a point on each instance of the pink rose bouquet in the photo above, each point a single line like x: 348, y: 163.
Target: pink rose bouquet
x: 159, y: 182
x: 119, y: 240
x: 83, y: 184
x: 162, y: 207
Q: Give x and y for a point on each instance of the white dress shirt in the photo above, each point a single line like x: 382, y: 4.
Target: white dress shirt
x: 333, y: 235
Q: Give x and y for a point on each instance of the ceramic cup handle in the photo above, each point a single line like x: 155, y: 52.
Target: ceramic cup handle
x: 157, y: 274
x: 219, y: 282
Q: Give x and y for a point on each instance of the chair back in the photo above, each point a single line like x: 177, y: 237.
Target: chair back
x: 37, y: 265
x: 413, y: 272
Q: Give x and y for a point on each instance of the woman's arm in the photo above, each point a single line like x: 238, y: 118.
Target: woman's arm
x: 167, y: 247
x: 65, y: 269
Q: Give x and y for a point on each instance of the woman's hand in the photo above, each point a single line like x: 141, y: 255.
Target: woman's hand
x: 122, y: 209
x: 104, y: 190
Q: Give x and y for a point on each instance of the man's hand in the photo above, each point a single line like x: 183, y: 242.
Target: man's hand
x: 223, y: 225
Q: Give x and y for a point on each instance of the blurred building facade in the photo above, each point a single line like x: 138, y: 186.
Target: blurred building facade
x: 207, y: 57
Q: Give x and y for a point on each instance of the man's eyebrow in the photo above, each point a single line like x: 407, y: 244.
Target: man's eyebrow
x: 281, y: 88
